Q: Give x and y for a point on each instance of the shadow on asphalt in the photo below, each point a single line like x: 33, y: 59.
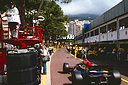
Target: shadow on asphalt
x: 70, y: 78
x: 67, y: 84
x: 61, y: 72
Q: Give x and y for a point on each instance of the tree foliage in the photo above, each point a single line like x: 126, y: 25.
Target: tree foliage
x: 4, y: 5
x: 54, y: 20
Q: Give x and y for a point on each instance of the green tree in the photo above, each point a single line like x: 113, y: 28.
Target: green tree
x: 3, y: 5
x: 28, y: 7
x: 54, y: 20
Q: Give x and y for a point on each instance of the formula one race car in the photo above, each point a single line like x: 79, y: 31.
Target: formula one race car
x: 94, y: 75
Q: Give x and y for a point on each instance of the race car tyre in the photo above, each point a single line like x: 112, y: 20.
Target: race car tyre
x: 22, y: 68
x: 116, y: 78
x: 65, y: 67
x: 22, y: 76
x: 77, y: 78
x: 17, y: 61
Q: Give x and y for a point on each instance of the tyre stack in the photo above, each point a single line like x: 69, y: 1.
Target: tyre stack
x: 22, y: 68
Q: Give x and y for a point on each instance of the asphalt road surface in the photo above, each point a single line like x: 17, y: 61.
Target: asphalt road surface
x: 57, y: 76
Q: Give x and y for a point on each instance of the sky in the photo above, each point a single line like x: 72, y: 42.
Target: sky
x: 97, y: 7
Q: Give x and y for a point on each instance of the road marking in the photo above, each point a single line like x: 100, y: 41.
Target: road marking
x: 43, y: 80
x: 46, y: 79
x: 124, y: 80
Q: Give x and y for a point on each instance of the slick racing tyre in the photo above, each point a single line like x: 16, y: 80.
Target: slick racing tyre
x: 116, y: 78
x: 65, y: 67
x: 17, y: 61
x: 77, y: 78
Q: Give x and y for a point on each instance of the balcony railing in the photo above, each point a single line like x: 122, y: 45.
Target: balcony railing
x: 109, y: 36
x: 123, y: 34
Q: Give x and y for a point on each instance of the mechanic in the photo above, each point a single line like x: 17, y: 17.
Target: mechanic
x: 13, y: 19
x: 76, y: 51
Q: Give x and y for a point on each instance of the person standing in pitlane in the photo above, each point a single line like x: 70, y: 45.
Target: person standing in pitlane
x: 45, y: 57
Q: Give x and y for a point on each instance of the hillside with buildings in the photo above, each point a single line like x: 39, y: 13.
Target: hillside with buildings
x: 76, y: 24
x: 83, y: 16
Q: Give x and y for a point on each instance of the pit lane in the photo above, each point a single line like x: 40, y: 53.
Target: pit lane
x: 58, y: 77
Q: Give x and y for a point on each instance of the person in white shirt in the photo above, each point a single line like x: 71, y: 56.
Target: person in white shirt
x: 45, y: 58
x: 13, y: 19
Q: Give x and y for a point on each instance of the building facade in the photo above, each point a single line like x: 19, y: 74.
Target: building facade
x: 76, y: 26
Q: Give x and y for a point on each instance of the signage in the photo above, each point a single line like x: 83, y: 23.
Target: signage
x: 68, y: 37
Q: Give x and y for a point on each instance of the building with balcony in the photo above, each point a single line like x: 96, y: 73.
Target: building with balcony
x: 111, y: 26
x: 109, y: 31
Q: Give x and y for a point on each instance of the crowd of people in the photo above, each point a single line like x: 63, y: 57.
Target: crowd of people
x: 106, y: 53
x: 78, y: 51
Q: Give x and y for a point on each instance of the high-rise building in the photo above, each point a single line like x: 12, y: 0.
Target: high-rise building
x: 76, y: 26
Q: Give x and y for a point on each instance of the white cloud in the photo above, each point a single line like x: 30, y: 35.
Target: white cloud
x: 88, y: 6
